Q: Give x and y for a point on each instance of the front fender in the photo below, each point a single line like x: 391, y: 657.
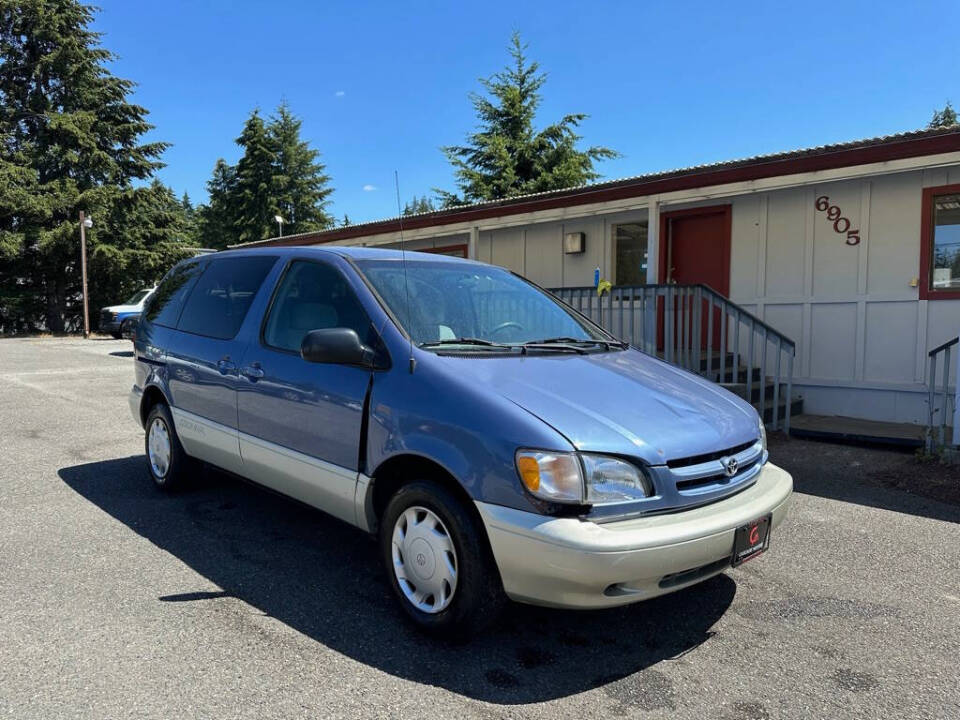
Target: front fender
x: 472, y: 434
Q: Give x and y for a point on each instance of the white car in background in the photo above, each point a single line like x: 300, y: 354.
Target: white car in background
x: 119, y: 320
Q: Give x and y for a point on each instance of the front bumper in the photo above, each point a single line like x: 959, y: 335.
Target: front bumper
x: 572, y: 563
x: 111, y: 326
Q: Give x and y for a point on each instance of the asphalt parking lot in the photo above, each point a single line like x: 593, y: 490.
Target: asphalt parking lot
x: 227, y: 601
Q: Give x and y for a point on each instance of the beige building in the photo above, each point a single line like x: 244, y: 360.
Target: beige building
x: 852, y: 251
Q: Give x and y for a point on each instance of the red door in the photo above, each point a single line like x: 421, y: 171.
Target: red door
x: 695, y: 248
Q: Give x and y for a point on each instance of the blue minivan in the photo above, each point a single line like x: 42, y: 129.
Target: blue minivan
x: 500, y: 444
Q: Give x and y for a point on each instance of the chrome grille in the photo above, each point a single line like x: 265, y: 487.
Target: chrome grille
x: 704, y: 477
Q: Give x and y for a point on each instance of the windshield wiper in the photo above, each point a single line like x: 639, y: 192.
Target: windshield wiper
x: 577, y: 342
x: 466, y: 341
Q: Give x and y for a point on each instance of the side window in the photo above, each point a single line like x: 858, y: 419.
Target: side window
x: 223, y: 294
x: 312, y: 296
x: 163, y: 307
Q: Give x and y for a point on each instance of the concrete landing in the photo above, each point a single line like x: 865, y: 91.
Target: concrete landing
x: 836, y: 427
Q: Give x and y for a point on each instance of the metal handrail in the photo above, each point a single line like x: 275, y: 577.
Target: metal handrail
x: 667, y: 319
x: 944, y: 346
x: 942, y: 350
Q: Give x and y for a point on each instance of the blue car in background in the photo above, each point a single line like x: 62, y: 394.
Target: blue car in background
x: 119, y: 320
x: 498, y: 443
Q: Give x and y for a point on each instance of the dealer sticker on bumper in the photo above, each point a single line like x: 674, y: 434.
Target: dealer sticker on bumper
x: 751, y: 540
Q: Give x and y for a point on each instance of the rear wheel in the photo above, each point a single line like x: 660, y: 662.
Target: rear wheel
x: 166, y: 460
x: 438, y: 561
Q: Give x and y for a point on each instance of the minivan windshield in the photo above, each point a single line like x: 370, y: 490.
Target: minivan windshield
x: 477, y: 306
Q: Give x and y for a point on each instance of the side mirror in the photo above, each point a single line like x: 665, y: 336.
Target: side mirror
x: 339, y: 346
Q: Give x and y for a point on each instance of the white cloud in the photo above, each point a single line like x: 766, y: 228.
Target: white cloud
x: 369, y: 188
x: 340, y: 93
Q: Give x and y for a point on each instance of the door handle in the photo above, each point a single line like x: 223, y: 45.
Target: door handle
x: 225, y: 366
x: 254, y: 372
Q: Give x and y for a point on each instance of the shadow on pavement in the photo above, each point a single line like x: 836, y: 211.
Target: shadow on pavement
x: 323, y: 578
x: 882, y: 478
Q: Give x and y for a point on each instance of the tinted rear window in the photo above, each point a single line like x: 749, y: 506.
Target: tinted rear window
x: 165, y: 304
x: 223, y: 294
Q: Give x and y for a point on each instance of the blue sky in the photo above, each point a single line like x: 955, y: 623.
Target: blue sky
x: 381, y: 86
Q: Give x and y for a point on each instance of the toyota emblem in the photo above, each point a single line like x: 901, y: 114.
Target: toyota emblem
x: 730, y: 466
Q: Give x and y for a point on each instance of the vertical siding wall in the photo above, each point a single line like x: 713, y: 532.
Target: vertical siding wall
x: 536, y: 251
x: 862, y: 333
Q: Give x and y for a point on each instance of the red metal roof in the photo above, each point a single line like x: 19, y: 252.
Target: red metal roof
x: 825, y: 157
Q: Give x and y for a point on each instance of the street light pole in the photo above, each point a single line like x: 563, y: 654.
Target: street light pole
x: 84, y: 224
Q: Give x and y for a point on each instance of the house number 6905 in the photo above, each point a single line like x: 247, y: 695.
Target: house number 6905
x: 840, y: 224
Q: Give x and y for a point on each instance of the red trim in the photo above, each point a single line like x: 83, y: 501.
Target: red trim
x: 463, y: 249
x: 725, y: 239
x: 847, y: 155
x: 926, y: 245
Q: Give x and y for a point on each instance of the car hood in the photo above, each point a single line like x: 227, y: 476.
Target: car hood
x: 122, y: 308
x: 623, y: 402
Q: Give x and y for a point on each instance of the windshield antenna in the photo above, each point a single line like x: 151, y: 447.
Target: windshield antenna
x: 403, y: 259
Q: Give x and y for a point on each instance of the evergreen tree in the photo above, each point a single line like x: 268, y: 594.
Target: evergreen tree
x: 217, y: 219
x: 346, y: 221
x: 69, y: 140
x: 149, y: 230
x: 506, y: 156
x: 191, y: 232
x: 419, y: 205
x: 300, y: 185
x: 253, y: 202
x: 943, y: 118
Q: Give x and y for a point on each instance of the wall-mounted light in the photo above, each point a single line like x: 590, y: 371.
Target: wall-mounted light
x: 574, y: 243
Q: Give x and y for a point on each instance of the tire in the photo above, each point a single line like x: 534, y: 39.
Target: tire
x: 167, y: 470
x: 125, y: 329
x: 117, y: 335
x: 476, y: 597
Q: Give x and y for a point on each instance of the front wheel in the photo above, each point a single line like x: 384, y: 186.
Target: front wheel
x: 167, y: 462
x: 438, y: 561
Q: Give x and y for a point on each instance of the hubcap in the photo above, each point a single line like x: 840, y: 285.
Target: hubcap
x: 158, y: 448
x: 424, y: 560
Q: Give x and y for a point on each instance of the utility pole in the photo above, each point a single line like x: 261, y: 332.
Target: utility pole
x: 84, y: 224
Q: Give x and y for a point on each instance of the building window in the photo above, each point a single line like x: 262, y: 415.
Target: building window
x: 946, y: 243
x: 940, y: 243
x: 630, y: 251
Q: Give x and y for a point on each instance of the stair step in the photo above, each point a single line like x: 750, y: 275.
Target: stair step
x: 796, y: 408
x: 735, y: 375
x: 767, y: 388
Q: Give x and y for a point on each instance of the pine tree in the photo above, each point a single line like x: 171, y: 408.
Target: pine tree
x: 191, y: 217
x: 346, y: 221
x: 507, y: 156
x: 149, y: 230
x: 71, y: 141
x: 418, y: 205
x: 300, y: 186
x: 217, y: 219
x: 254, y: 203
x: 943, y: 118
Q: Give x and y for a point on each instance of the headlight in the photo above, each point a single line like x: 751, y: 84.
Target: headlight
x: 551, y: 476
x: 763, y: 435
x: 611, y: 480
x: 581, y: 479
